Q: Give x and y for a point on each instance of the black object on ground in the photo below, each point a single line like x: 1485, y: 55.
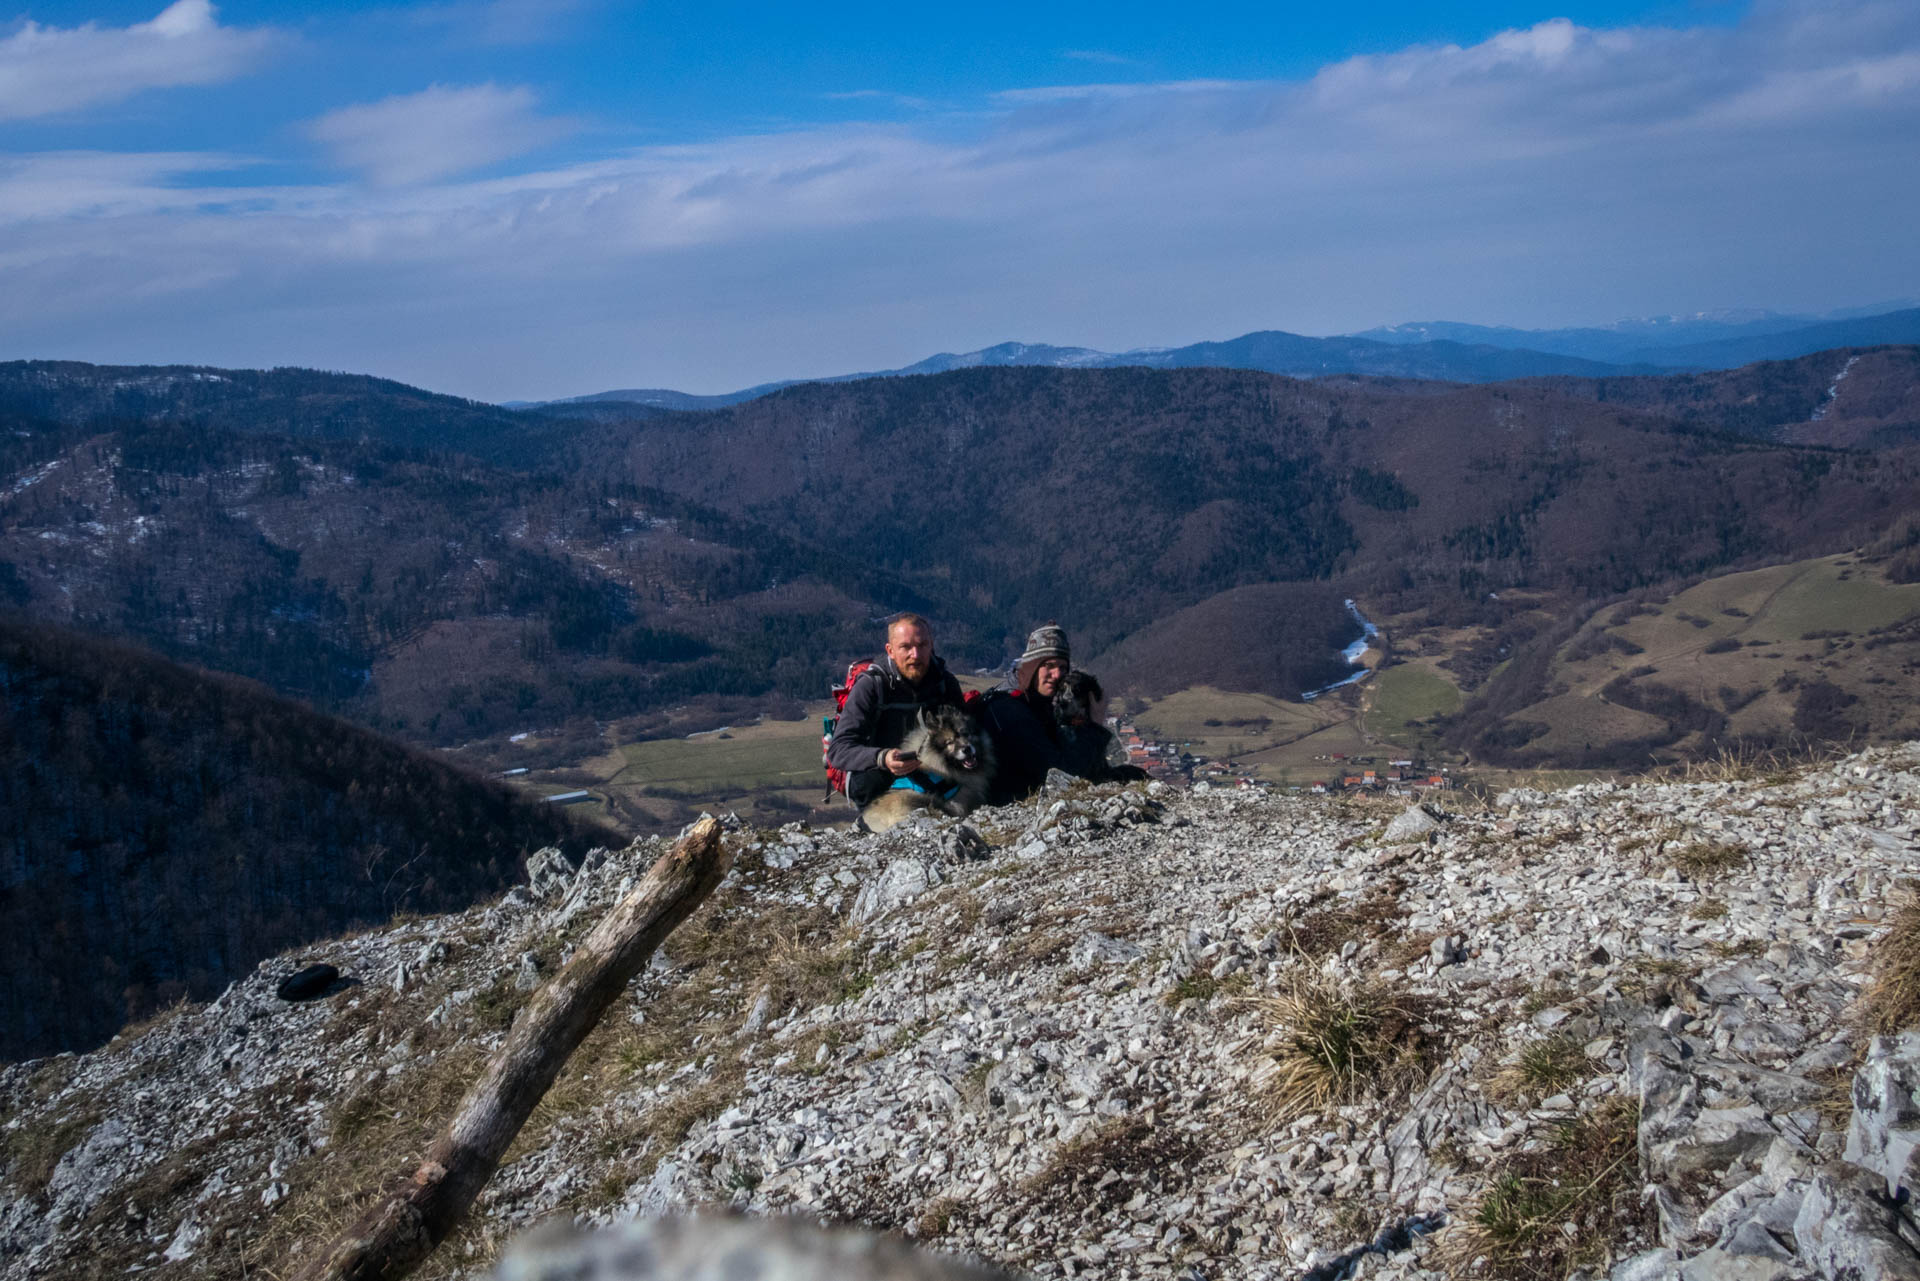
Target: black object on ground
x: 1391, y: 1240
x: 308, y: 983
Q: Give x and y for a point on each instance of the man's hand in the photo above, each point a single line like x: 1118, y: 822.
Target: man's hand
x: 899, y: 763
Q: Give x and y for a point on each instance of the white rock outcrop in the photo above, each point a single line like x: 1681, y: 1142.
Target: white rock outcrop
x: 1039, y: 1042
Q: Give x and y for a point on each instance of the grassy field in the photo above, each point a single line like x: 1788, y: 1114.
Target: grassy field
x: 1745, y: 648
x: 1295, y: 762
x: 1227, y: 725
x: 1836, y: 593
x: 1404, y: 693
x: 769, y: 754
x: 768, y: 772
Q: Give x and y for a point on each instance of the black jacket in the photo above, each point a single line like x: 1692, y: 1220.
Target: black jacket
x: 1026, y: 741
x: 881, y: 708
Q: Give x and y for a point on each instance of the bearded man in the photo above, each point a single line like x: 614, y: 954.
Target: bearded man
x: 885, y: 704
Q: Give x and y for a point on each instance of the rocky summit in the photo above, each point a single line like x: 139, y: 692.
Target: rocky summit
x: 1638, y: 1032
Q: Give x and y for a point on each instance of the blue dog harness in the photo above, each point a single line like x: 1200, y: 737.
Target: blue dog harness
x: 922, y: 781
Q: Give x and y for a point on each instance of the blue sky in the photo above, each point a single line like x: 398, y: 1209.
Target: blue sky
x: 503, y: 198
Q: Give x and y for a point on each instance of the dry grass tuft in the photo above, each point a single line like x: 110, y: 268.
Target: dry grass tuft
x: 1334, y: 1043
x: 1106, y: 1167
x: 937, y: 1218
x: 1734, y: 765
x: 1892, y: 1002
x: 1707, y: 909
x: 1552, y: 994
x: 670, y: 1120
x: 160, y: 1017
x: 1542, y: 1068
x: 1738, y: 764
x: 1564, y: 1207
x: 1326, y: 929
x: 1203, y: 987
x: 1655, y: 838
x: 378, y: 1132
x: 1658, y: 981
x: 29, y: 1153
x: 1702, y: 859
x: 1044, y: 944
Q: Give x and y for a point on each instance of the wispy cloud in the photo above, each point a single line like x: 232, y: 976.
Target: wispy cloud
x: 906, y: 100
x: 45, y: 70
x: 1554, y: 174
x: 1099, y: 55
x: 103, y: 185
x: 436, y: 133
x: 502, y: 22
x: 1142, y: 89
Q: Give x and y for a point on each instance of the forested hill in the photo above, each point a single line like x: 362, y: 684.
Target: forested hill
x: 427, y: 595
x: 1116, y: 497
x: 720, y: 560
x: 304, y: 404
x: 1851, y: 397
x: 166, y: 828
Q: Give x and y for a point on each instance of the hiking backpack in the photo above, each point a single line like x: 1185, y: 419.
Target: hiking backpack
x: 837, y: 778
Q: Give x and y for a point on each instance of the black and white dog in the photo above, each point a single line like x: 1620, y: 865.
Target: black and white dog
x: 1086, y: 744
x: 954, y: 771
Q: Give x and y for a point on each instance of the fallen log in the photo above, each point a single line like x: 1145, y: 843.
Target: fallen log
x: 392, y: 1237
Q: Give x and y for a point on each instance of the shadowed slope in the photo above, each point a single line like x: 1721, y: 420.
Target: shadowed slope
x: 164, y: 828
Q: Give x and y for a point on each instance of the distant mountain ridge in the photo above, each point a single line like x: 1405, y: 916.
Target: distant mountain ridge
x: 1271, y: 351
x: 1441, y: 350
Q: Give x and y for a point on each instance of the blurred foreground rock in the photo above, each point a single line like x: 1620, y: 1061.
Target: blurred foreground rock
x: 712, y: 1248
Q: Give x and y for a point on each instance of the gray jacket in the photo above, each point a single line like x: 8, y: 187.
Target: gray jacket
x: 882, y: 708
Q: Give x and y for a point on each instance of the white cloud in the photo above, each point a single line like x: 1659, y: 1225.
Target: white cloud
x: 1558, y: 174
x: 436, y: 133
x: 44, y: 70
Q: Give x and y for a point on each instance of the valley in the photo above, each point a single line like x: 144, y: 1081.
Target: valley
x: 1596, y: 576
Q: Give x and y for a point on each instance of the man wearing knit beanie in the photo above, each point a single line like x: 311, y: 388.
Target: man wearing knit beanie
x: 1019, y: 715
x: 1046, y: 660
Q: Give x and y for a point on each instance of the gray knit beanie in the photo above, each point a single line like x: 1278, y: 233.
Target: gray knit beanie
x: 1049, y: 640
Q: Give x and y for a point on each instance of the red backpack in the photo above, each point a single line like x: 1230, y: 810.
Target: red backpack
x: 837, y: 778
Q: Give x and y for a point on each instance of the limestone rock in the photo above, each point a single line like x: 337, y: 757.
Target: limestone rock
x: 1884, y: 1133
x: 1650, y: 1265
x: 1096, y: 948
x: 1846, y: 1229
x: 903, y: 881
x: 548, y: 872
x: 963, y: 843
x: 1412, y: 824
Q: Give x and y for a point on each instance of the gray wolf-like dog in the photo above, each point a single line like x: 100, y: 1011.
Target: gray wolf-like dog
x: 956, y: 765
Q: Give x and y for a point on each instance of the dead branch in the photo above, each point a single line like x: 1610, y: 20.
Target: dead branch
x: 391, y: 1239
